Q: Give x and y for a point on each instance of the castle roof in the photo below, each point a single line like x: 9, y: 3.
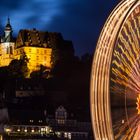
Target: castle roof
x: 31, y: 38
x: 7, y: 37
x: 8, y: 26
x: 36, y: 38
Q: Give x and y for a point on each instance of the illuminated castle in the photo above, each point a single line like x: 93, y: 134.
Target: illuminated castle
x: 7, y: 46
x: 37, y: 46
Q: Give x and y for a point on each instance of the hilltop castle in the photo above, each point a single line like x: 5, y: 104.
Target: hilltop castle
x: 37, y: 45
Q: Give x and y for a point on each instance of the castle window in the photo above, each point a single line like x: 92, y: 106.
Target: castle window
x: 37, y: 57
x: 29, y: 50
x: 21, y: 51
x: 7, y: 50
x: 45, y: 51
x: 37, y: 51
x: 11, y: 50
x: 44, y: 58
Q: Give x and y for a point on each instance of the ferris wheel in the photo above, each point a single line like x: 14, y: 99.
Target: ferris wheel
x: 115, y: 76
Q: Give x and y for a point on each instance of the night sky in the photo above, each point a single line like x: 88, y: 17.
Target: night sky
x: 78, y: 20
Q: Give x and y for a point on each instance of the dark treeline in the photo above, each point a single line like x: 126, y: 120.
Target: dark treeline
x: 66, y: 84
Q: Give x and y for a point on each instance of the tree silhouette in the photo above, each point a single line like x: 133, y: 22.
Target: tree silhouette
x: 41, y: 73
x: 18, y: 68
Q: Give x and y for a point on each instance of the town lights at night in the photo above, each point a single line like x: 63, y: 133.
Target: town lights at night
x: 8, y: 130
x: 28, y: 130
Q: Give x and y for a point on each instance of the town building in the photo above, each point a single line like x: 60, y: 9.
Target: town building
x: 60, y: 125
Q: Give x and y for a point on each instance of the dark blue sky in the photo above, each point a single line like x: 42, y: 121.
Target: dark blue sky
x: 78, y: 20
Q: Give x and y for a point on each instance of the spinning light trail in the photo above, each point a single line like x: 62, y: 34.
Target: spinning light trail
x: 115, y: 78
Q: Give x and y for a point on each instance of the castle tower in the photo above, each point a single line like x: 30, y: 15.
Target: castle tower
x: 8, y: 31
x: 7, y: 45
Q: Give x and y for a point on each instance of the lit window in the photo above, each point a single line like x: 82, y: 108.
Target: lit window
x: 11, y: 50
x: 37, y: 51
x: 42, y: 129
x: 31, y: 121
x: 7, y: 130
x: 65, y: 135
x: 44, y: 58
x: 69, y: 136
x: 37, y: 57
x: 45, y: 51
x: 7, y: 50
x: 40, y: 121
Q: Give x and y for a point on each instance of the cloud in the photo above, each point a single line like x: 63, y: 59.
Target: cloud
x: 78, y: 20
x: 9, y: 5
x: 82, y: 22
x: 34, y: 13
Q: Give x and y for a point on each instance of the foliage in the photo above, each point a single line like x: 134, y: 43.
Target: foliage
x: 41, y: 73
x: 18, y: 68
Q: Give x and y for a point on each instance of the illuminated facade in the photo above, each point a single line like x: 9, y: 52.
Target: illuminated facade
x: 61, y: 115
x: 34, y: 44
x: 31, y: 42
x: 115, y: 84
x: 37, y: 45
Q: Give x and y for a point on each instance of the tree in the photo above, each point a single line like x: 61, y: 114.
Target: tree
x: 41, y: 73
x: 19, y: 68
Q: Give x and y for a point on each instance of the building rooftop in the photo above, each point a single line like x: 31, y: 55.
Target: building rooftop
x: 31, y: 38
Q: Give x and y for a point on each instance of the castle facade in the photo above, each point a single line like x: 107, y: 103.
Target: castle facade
x: 37, y: 45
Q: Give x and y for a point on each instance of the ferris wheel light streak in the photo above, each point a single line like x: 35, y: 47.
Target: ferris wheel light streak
x: 115, y: 76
